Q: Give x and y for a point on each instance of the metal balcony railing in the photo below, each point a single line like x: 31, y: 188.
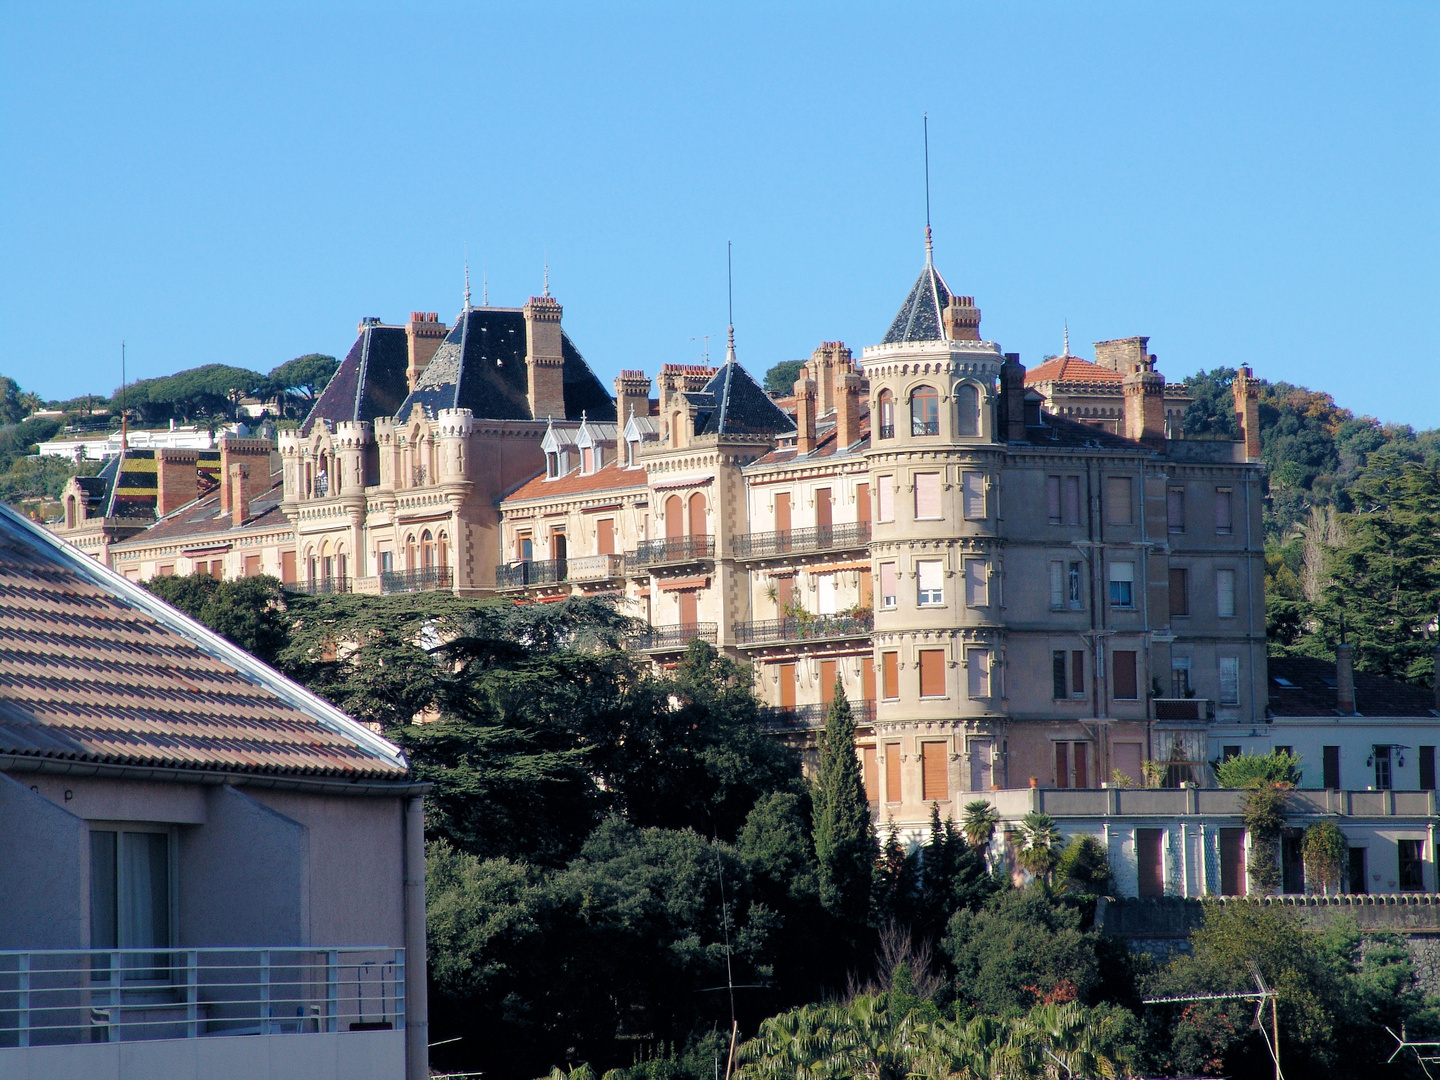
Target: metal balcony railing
x: 55, y: 996
x: 595, y: 568
x: 426, y: 579
x: 810, y: 717
x: 518, y: 575
x: 804, y: 628
x: 671, y: 549
x: 1184, y: 709
x: 887, y: 431
x: 924, y: 427
x: 323, y: 587
x: 678, y: 637
x: 763, y: 545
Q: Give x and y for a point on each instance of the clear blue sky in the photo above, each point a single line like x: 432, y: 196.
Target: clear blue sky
x: 241, y: 183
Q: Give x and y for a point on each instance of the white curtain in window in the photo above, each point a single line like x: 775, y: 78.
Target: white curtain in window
x: 825, y: 594
x: 888, y: 592
x: 930, y: 576
x: 1057, y: 584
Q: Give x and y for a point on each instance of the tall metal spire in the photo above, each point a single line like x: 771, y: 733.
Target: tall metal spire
x: 467, y: 284
x: 929, y: 247
x: 1065, y: 351
x: 124, y: 425
x: 485, y: 286
x: 547, y: 275
x: 730, y: 294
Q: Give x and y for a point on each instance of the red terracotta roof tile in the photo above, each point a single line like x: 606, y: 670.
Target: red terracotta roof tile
x: 612, y: 476
x: 1071, y: 369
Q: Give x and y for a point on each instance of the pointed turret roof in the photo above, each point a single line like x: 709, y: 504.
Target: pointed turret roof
x: 921, y: 317
x: 738, y: 406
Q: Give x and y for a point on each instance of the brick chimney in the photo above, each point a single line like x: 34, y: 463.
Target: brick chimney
x: 825, y: 363
x: 1345, y: 679
x: 1125, y: 355
x: 544, y: 361
x: 177, y: 478
x: 254, y: 453
x: 804, y: 413
x: 245, y: 485
x: 423, y: 333
x: 962, y: 319
x: 1144, y: 391
x: 1012, y: 399
x: 1247, y: 411
x: 632, y: 389
x: 847, y: 405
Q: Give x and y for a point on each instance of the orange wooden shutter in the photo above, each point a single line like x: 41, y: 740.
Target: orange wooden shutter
x: 287, y: 567
x: 867, y: 679
x: 823, y: 514
x: 867, y: 589
x: 252, y: 565
x: 1082, y: 765
x: 934, y: 779
x: 892, y: 772
x: 605, y: 536
x: 689, y: 608
x: 787, y: 686
x: 869, y: 770
x: 862, y: 502
x: 782, y: 511
x: 674, y: 517
x: 932, y: 672
x: 698, y: 525
x: 827, y: 681
x: 890, y: 674
x: 1062, y: 764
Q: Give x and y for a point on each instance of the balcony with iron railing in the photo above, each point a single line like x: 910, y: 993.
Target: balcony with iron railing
x: 669, y: 551
x: 319, y: 587
x: 595, y: 568
x: 1184, y: 709
x: 424, y: 579
x: 804, y: 628
x: 769, y: 545
x: 675, y: 638
x: 536, y: 572
x: 783, y: 718
x: 924, y: 427
x: 53, y: 997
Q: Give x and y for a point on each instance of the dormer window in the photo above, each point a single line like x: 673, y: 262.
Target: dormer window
x: 552, y: 465
x: 632, y: 451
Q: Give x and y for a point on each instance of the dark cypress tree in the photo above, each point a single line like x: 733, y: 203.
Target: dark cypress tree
x: 844, y: 840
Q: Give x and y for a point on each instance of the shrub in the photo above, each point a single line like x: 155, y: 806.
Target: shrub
x: 1250, y: 770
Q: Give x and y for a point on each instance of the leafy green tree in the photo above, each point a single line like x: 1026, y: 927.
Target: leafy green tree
x: 1211, y: 413
x: 844, y: 837
x: 780, y: 379
x: 305, y: 376
x: 1083, y: 867
x: 896, y: 880
x: 1324, y: 850
x: 1253, y: 770
x: 248, y: 611
x: 212, y: 390
x: 952, y: 875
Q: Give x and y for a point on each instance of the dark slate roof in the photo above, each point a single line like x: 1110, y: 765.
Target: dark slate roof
x: 921, y: 317
x: 95, y: 669
x: 1059, y: 433
x: 208, y: 517
x: 732, y: 403
x: 480, y: 366
x: 369, y: 382
x: 1305, y: 686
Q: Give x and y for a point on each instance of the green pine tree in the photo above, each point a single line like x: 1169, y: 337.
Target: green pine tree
x: 844, y: 840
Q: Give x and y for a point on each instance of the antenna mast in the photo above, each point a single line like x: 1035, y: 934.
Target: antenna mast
x: 929, y: 250
x: 124, y: 429
x: 730, y: 295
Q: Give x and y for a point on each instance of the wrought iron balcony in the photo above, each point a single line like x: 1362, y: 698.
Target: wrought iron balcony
x: 595, y: 568
x: 781, y: 718
x: 924, y: 427
x: 520, y: 575
x: 887, y: 431
x: 1184, y: 709
x: 766, y: 545
x: 804, y: 628
x: 674, y: 638
x: 322, y: 587
x: 668, y: 551
x: 426, y: 579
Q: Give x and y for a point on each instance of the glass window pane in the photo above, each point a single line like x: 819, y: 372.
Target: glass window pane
x: 145, y: 895
x: 103, y: 896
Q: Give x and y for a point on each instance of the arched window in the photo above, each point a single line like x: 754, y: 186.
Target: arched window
x: 427, y: 549
x: 967, y: 405
x: 924, y: 411
x: 442, y: 551
x: 887, y: 414
x: 698, y: 525
x: 342, y: 564
x: 674, y: 517
x: 410, y: 563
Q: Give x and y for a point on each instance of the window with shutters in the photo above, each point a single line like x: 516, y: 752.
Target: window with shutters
x: 967, y: 410
x: 1059, y: 669
x: 1077, y: 601
x: 892, y: 772
x: 1124, y: 680
x: 890, y: 675
x: 1052, y: 500
x: 605, y: 536
x: 1411, y: 858
x: 870, y: 774
x: 1179, y: 591
x: 1330, y: 766
x: 1080, y: 760
x: 867, y: 589
x: 252, y: 565
x: 1149, y: 863
x: 1077, y: 673
x: 932, y: 672
x: 977, y: 673
x: 786, y: 679
x: 1072, y: 500
x: 1122, y: 584
x: 862, y: 502
x: 287, y: 566
x: 1427, y: 768
x: 977, y: 583
x: 824, y: 512
x: 927, y: 496
x: 587, y: 461
x: 934, y: 770
x: 1062, y: 764
x: 1225, y: 594
x: 689, y: 608
x: 825, y: 594
x: 1058, y: 592
x: 1175, y: 509
x: 1119, y: 505
x: 782, y: 512
x: 867, y: 681
x: 1229, y: 680
x: 885, y: 498
x: 925, y: 411
x: 889, y: 590
x: 973, y: 492
x: 1224, y: 511
x: 828, y: 675
x: 930, y: 582
x: 1180, y: 676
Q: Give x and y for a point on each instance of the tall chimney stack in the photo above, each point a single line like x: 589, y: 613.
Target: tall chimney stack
x: 1144, y: 391
x: 423, y: 334
x: 632, y: 391
x: 804, y: 413
x: 962, y: 319
x: 1246, y: 389
x: 544, y: 360
x: 177, y: 478
x: 1012, y: 398
x: 1345, y: 679
x: 847, y: 406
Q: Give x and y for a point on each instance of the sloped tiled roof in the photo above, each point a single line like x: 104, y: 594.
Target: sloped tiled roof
x: 480, y: 366
x: 921, y: 317
x: 95, y: 669
x: 612, y: 476
x: 1071, y: 369
x: 826, y: 439
x: 1305, y: 686
x: 369, y: 382
x: 206, y: 517
x: 732, y: 403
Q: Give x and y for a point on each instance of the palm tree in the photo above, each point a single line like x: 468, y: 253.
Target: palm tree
x: 863, y: 1038
x: 1039, y: 843
x: 979, y: 823
x: 982, y: 1049
x: 1065, y: 1035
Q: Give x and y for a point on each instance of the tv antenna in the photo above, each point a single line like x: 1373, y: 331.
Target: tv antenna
x: 1261, y: 995
x: 706, y: 339
x: 1426, y: 1053
x: 124, y: 429
x: 929, y: 249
